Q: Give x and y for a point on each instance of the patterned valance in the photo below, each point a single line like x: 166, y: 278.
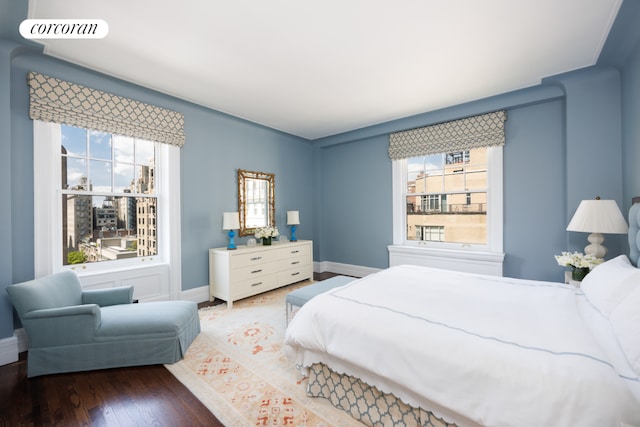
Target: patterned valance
x: 58, y: 101
x: 485, y: 130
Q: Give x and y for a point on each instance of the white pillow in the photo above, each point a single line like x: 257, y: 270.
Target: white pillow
x: 610, y: 282
x: 625, y: 321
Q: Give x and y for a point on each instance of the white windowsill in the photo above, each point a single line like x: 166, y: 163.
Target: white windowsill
x: 451, y: 259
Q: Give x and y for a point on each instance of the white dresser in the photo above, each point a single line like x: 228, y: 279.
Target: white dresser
x: 250, y: 270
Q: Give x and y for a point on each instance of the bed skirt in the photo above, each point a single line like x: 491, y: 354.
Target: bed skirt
x: 365, y: 403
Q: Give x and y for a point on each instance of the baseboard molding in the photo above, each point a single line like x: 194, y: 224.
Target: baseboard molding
x: 9, y: 350
x: 23, y: 340
x: 345, y: 269
x: 200, y: 294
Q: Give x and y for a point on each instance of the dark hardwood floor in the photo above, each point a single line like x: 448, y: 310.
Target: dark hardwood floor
x: 136, y: 396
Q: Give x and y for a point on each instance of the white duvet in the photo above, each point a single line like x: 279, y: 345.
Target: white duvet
x: 478, y: 350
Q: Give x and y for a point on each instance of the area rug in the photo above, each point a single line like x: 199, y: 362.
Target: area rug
x: 238, y: 369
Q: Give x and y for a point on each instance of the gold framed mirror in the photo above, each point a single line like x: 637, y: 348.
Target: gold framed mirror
x: 256, y: 201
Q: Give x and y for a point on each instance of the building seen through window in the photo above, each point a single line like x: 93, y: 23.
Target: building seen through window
x: 446, y: 197
x: 109, y: 199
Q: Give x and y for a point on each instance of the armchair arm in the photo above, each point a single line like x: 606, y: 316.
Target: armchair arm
x: 109, y: 296
x: 62, y: 326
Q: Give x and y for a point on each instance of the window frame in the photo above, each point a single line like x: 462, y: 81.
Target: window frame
x: 48, y: 211
x: 494, y: 243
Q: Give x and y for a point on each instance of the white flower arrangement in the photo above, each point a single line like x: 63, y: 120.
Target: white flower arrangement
x: 267, y: 232
x: 578, y: 260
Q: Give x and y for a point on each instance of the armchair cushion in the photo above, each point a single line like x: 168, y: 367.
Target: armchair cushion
x: 60, y: 326
x: 57, y: 290
x: 106, y: 297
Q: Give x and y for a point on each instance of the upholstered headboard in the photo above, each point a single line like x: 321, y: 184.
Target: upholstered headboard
x: 634, y: 232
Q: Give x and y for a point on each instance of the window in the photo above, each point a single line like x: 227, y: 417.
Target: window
x: 452, y: 190
x: 432, y: 233
x: 107, y: 186
x: 450, y: 204
x: 103, y: 200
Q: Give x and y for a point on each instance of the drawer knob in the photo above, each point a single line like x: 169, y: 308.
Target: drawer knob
x: 256, y: 271
x: 295, y: 252
x: 257, y: 258
x: 295, y: 274
x: 256, y: 284
x: 295, y: 262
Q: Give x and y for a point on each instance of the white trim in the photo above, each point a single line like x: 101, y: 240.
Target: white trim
x: 451, y: 259
x: 23, y: 340
x: 45, y: 191
x: 199, y: 294
x: 172, y: 241
x: 8, y: 350
x: 495, y: 208
x: 346, y: 269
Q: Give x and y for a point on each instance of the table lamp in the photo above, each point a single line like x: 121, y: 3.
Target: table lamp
x: 598, y: 217
x: 293, y: 219
x: 231, y: 221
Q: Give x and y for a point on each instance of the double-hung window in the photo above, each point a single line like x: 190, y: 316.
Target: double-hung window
x: 109, y: 199
x: 447, y: 194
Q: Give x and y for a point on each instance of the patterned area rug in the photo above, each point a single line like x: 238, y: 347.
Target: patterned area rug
x: 238, y: 369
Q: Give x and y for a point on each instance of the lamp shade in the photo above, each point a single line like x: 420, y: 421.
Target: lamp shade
x: 598, y: 216
x: 231, y: 221
x: 293, y: 217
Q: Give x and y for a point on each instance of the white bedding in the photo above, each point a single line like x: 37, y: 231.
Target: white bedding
x: 477, y: 350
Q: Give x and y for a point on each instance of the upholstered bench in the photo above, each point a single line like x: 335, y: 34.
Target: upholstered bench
x: 299, y: 297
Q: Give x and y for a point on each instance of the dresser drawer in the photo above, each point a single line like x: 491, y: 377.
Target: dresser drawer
x: 252, y: 258
x: 248, y: 272
x: 294, y: 275
x: 293, y: 262
x: 253, y: 286
x: 300, y: 251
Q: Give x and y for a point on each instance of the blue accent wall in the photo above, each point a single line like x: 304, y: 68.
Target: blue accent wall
x: 355, y: 222
x: 630, y: 81
x: 572, y: 137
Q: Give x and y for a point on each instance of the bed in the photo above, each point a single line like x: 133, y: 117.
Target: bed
x: 420, y: 346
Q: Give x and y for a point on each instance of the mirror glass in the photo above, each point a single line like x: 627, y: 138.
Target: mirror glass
x: 256, y: 201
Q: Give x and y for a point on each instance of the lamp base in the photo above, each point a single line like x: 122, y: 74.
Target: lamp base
x: 293, y: 234
x: 595, y: 248
x: 232, y: 244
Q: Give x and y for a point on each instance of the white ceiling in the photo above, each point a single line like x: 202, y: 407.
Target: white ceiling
x: 315, y: 69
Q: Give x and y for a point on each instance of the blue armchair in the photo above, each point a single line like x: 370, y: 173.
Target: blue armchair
x: 74, y: 330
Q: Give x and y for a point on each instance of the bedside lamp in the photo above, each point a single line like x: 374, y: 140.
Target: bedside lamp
x: 293, y: 219
x: 598, y: 217
x: 231, y: 221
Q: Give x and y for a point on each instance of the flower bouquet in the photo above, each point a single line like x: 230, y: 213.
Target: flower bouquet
x: 266, y: 234
x: 579, y: 263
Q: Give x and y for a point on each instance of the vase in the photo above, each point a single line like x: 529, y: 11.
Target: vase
x: 266, y: 241
x: 578, y: 274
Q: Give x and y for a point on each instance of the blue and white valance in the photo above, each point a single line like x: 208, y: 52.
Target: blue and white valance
x: 485, y: 130
x: 59, y: 101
